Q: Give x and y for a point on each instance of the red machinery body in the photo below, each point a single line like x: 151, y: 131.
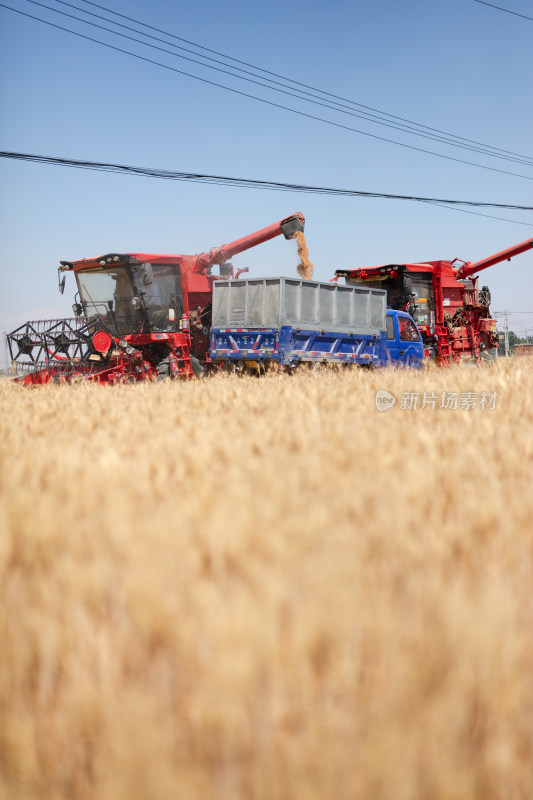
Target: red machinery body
x: 139, y: 315
x: 450, y: 311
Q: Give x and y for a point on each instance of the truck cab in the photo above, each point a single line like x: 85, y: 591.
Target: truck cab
x: 404, y: 342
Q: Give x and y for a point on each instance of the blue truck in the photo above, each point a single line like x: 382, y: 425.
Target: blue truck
x: 289, y: 322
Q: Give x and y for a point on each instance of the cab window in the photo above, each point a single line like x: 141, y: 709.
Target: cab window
x: 160, y: 295
x: 408, y: 330
x: 390, y: 328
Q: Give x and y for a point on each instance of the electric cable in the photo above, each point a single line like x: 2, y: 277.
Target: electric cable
x: 253, y: 183
x: 478, y: 214
x: 298, y: 83
x: 263, y: 100
x: 507, y: 11
x: 322, y: 102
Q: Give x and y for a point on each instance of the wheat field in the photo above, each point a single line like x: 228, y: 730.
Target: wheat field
x: 267, y: 589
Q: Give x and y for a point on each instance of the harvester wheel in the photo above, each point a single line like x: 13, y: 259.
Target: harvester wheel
x: 163, y: 369
x: 197, y: 368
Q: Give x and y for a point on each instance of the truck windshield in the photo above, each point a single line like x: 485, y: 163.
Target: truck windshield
x: 108, y: 294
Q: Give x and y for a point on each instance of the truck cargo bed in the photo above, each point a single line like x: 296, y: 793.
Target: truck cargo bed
x: 258, y: 303
x: 288, y: 345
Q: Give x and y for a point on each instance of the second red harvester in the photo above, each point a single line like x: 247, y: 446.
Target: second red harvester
x: 450, y: 310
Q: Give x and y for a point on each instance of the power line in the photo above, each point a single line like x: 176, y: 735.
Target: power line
x: 518, y: 326
x: 263, y: 100
x: 507, y: 11
x: 404, y: 126
x: 477, y: 214
x: 290, y: 80
x: 252, y: 183
x: 322, y: 102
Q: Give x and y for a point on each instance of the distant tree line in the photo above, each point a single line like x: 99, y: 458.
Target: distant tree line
x: 513, y: 339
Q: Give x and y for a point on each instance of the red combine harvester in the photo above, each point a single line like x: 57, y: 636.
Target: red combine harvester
x: 443, y: 298
x: 138, y: 316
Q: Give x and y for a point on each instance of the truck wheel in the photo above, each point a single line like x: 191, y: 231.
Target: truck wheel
x: 432, y: 357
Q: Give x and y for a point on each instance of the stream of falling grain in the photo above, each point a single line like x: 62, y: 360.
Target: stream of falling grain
x: 305, y: 267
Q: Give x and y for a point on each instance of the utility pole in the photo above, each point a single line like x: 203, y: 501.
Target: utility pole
x: 506, y: 333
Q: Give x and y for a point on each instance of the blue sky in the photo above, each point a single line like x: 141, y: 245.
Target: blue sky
x: 456, y: 65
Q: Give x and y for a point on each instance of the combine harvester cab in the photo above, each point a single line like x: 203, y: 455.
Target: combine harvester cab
x: 443, y: 297
x: 137, y: 316
x: 289, y: 322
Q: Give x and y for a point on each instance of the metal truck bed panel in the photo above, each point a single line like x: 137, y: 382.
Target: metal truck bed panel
x: 288, y: 345
x: 277, y: 302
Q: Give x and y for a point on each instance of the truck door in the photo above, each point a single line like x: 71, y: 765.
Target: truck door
x: 410, y: 346
x: 392, y: 338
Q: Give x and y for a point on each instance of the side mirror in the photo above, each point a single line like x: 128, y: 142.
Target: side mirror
x: 146, y: 274
x: 62, y: 284
x: 77, y: 309
x: 136, y: 303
